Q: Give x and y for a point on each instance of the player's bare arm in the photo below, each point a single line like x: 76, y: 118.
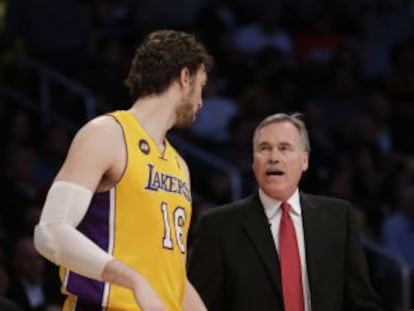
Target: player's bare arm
x: 97, y: 156
x: 119, y: 273
x: 192, y: 301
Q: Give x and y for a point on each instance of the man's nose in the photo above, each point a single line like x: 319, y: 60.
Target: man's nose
x: 274, y: 156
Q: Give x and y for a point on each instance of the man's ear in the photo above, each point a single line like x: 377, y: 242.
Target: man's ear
x: 305, y: 163
x: 185, y: 77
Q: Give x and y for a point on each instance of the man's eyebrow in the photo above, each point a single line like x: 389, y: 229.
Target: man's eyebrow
x: 263, y: 143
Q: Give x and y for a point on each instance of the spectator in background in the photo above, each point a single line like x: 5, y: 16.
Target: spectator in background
x: 382, y: 26
x: 20, y: 130
x: 212, y: 123
x: 52, y: 151
x: 318, y: 42
x: 265, y: 31
x: 28, y: 286
x: 111, y: 68
x: 379, y: 108
x: 55, y: 32
x: 4, y: 276
x: 18, y: 188
x: 7, y: 305
x: 400, y: 81
x: 398, y: 229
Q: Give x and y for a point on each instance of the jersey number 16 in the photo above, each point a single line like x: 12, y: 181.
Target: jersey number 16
x: 179, y: 218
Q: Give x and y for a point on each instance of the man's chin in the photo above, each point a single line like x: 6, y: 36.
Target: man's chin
x: 184, y: 124
x: 275, y: 193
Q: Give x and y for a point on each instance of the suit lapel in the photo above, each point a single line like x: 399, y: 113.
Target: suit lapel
x: 313, y: 224
x: 257, y: 229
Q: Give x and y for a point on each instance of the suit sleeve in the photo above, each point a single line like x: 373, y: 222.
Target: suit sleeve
x: 359, y: 293
x: 205, y: 270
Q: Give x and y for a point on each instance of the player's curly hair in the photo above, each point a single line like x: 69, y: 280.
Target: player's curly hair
x: 160, y: 58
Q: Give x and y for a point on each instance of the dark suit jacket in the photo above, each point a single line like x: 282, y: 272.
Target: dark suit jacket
x: 234, y: 264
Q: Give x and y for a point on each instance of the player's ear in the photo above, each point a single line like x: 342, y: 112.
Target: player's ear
x: 185, y: 77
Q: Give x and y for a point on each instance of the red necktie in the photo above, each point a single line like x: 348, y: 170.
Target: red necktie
x: 290, y: 263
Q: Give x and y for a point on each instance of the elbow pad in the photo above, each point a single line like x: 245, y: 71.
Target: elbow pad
x: 56, y: 236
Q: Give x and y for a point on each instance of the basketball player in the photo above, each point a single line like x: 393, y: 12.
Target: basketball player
x: 117, y: 215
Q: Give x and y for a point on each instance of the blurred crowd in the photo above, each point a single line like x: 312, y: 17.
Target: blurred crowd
x: 347, y: 65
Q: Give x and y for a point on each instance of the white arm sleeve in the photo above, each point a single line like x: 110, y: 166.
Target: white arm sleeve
x: 56, y: 236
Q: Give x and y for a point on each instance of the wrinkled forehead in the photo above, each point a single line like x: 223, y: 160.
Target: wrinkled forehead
x: 279, y: 132
x: 276, y: 128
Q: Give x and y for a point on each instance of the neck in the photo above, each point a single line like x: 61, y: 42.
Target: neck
x: 156, y: 115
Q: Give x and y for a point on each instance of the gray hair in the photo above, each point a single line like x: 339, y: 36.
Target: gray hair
x: 294, y: 118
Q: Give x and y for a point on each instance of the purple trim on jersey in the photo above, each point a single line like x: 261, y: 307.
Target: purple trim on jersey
x: 95, y: 225
x: 82, y: 305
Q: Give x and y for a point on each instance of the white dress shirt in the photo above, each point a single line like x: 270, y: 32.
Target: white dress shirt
x: 274, y: 214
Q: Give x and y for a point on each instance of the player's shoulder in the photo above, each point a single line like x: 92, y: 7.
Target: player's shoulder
x: 335, y: 208
x: 102, y: 122
x: 324, y: 201
x: 100, y: 134
x: 103, y: 126
x: 225, y: 219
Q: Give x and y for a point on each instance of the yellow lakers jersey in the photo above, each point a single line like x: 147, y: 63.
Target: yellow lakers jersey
x: 142, y: 221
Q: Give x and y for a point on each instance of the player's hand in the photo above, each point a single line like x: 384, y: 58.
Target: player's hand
x: 146, y: 297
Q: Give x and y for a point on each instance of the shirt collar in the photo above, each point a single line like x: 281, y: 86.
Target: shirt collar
x: 271, y: 205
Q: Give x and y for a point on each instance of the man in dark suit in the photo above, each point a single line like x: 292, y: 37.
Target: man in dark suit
x: 280, y: 249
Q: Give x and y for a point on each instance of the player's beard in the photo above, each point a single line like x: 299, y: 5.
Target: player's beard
x: 185, y: 115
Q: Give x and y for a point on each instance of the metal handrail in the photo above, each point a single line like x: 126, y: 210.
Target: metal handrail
x: 20, y: 98
x: 47, y: 75
x: 216, y: 162
x: 404, y: 270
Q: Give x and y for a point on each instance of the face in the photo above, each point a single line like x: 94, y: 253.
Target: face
x: 192, y: 99
x: 279, y: 159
